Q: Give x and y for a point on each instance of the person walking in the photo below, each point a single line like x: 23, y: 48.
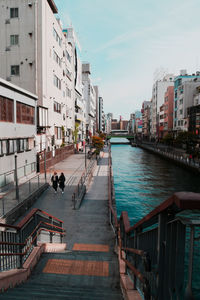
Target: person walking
x: 62, y: 182
x: 54, y: 180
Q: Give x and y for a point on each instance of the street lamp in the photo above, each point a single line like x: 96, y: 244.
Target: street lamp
x: 16, y: 180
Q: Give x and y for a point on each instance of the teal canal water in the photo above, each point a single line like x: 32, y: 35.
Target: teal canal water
x: 143, y: 180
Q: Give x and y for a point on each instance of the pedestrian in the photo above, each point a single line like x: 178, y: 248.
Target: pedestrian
x: 54, y: 180
x: 62, y: 182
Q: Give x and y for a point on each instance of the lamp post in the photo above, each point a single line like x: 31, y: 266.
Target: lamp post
x: 45, y: 172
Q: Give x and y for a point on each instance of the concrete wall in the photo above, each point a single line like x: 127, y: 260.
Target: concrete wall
x: 14, y: 130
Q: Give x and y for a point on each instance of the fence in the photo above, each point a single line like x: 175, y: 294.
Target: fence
x: 80, y: 190
x: 162, y: 251
x: 9, y: 177
x: 17, y: 242
x: 16, y: 196
x: 169, y: 152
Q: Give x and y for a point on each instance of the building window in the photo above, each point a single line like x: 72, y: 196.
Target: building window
x: 6, y: 110
x: 57, y: 82
x: 10, y: 147
x: 15, y: 70
x: 68, y: 56
x: 56, y: 58
x: 68, y: 92
x: 68, y: 74
x: 1, y: 148
x: 58, y: 133
x: 57, y: 107
x: 57, y: 38
x: 14, y: 12
x: 14, y: 39
x: 25, y: 114
x: 181, y: 111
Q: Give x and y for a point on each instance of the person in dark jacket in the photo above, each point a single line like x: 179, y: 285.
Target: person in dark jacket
x: 62, y: 182
x: 54, y: 180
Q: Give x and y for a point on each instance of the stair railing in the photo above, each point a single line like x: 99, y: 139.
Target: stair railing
x: 17, y: 242
x: 161, y: 250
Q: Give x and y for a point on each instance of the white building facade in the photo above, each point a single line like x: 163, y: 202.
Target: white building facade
x: 89, y: 97
x: 184, y: 90
x: 17, y: 132
x: 35, y: 55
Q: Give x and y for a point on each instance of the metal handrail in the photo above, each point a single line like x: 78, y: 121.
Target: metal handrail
x: 24, y: 236
x: 81, y: 182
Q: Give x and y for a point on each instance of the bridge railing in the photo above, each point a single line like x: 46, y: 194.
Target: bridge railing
x: 162, y: 251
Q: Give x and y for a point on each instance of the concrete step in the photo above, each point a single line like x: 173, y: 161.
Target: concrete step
x: 49, y: 292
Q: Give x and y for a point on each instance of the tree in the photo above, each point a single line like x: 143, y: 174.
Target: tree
x: 75, y: 133
x: 98, y: 143
x: 168, y: 139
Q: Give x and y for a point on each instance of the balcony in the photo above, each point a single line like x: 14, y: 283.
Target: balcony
x: 79, y: 104
x: 78, y: 117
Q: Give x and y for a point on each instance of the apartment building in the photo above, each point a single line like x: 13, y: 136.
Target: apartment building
x: 17, y: 132
x: 168, y: 111
x: 35, y: 55
x: 89, y: 97
x: 184, y: 89
x: 158, y: 93
x: 146, y: 106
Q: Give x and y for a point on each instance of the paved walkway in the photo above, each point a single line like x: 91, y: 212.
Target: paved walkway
x: 88, y: 269
x: 72, y: 167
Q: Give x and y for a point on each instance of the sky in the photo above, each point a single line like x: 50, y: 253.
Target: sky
x: 129, y: 43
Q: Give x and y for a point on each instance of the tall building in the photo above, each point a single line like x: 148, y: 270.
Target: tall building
x: 101, y: 114
x: 89, y: 96
x: 96, y: 88
x: 35, y: 55
x: 184, y: 89
x: 158, y: 93
x: 168, y: 111
x: 146, y: 106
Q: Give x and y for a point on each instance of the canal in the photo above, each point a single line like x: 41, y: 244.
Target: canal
x: 143, y: 180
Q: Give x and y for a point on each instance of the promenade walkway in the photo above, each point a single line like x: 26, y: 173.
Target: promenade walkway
x: 88, y: 267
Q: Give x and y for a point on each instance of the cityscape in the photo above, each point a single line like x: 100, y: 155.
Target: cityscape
x: 99, y: 191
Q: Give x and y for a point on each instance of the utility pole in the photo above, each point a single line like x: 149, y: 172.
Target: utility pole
x: 16, y: 180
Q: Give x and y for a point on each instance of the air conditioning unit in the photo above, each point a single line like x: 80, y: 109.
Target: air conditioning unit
x: 8, y: 78
x: 7, y: 48
x: 7, y: 21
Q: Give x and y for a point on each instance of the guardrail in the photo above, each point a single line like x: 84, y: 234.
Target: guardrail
x: 80, y: 190
x: 9, y: 177
x: 17, y: 242
x: 15, y: 196
x: 161, y: 251
x: 111, y: 196
x: 166, y: 151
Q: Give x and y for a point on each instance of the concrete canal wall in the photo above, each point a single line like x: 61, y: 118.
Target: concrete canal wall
x: 178, y: 159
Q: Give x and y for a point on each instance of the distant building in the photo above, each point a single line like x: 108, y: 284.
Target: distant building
x: 168, y: 111
x: 158, y: 93
x: 108, y: 123
x: 146, y: 106
x: 115, y: 125
x: 90, y: 101
x: 194, y: 120
x: 17, y: 132
x: 184, y: 89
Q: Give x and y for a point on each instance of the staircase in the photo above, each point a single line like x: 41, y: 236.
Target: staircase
x: 43, y: 285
